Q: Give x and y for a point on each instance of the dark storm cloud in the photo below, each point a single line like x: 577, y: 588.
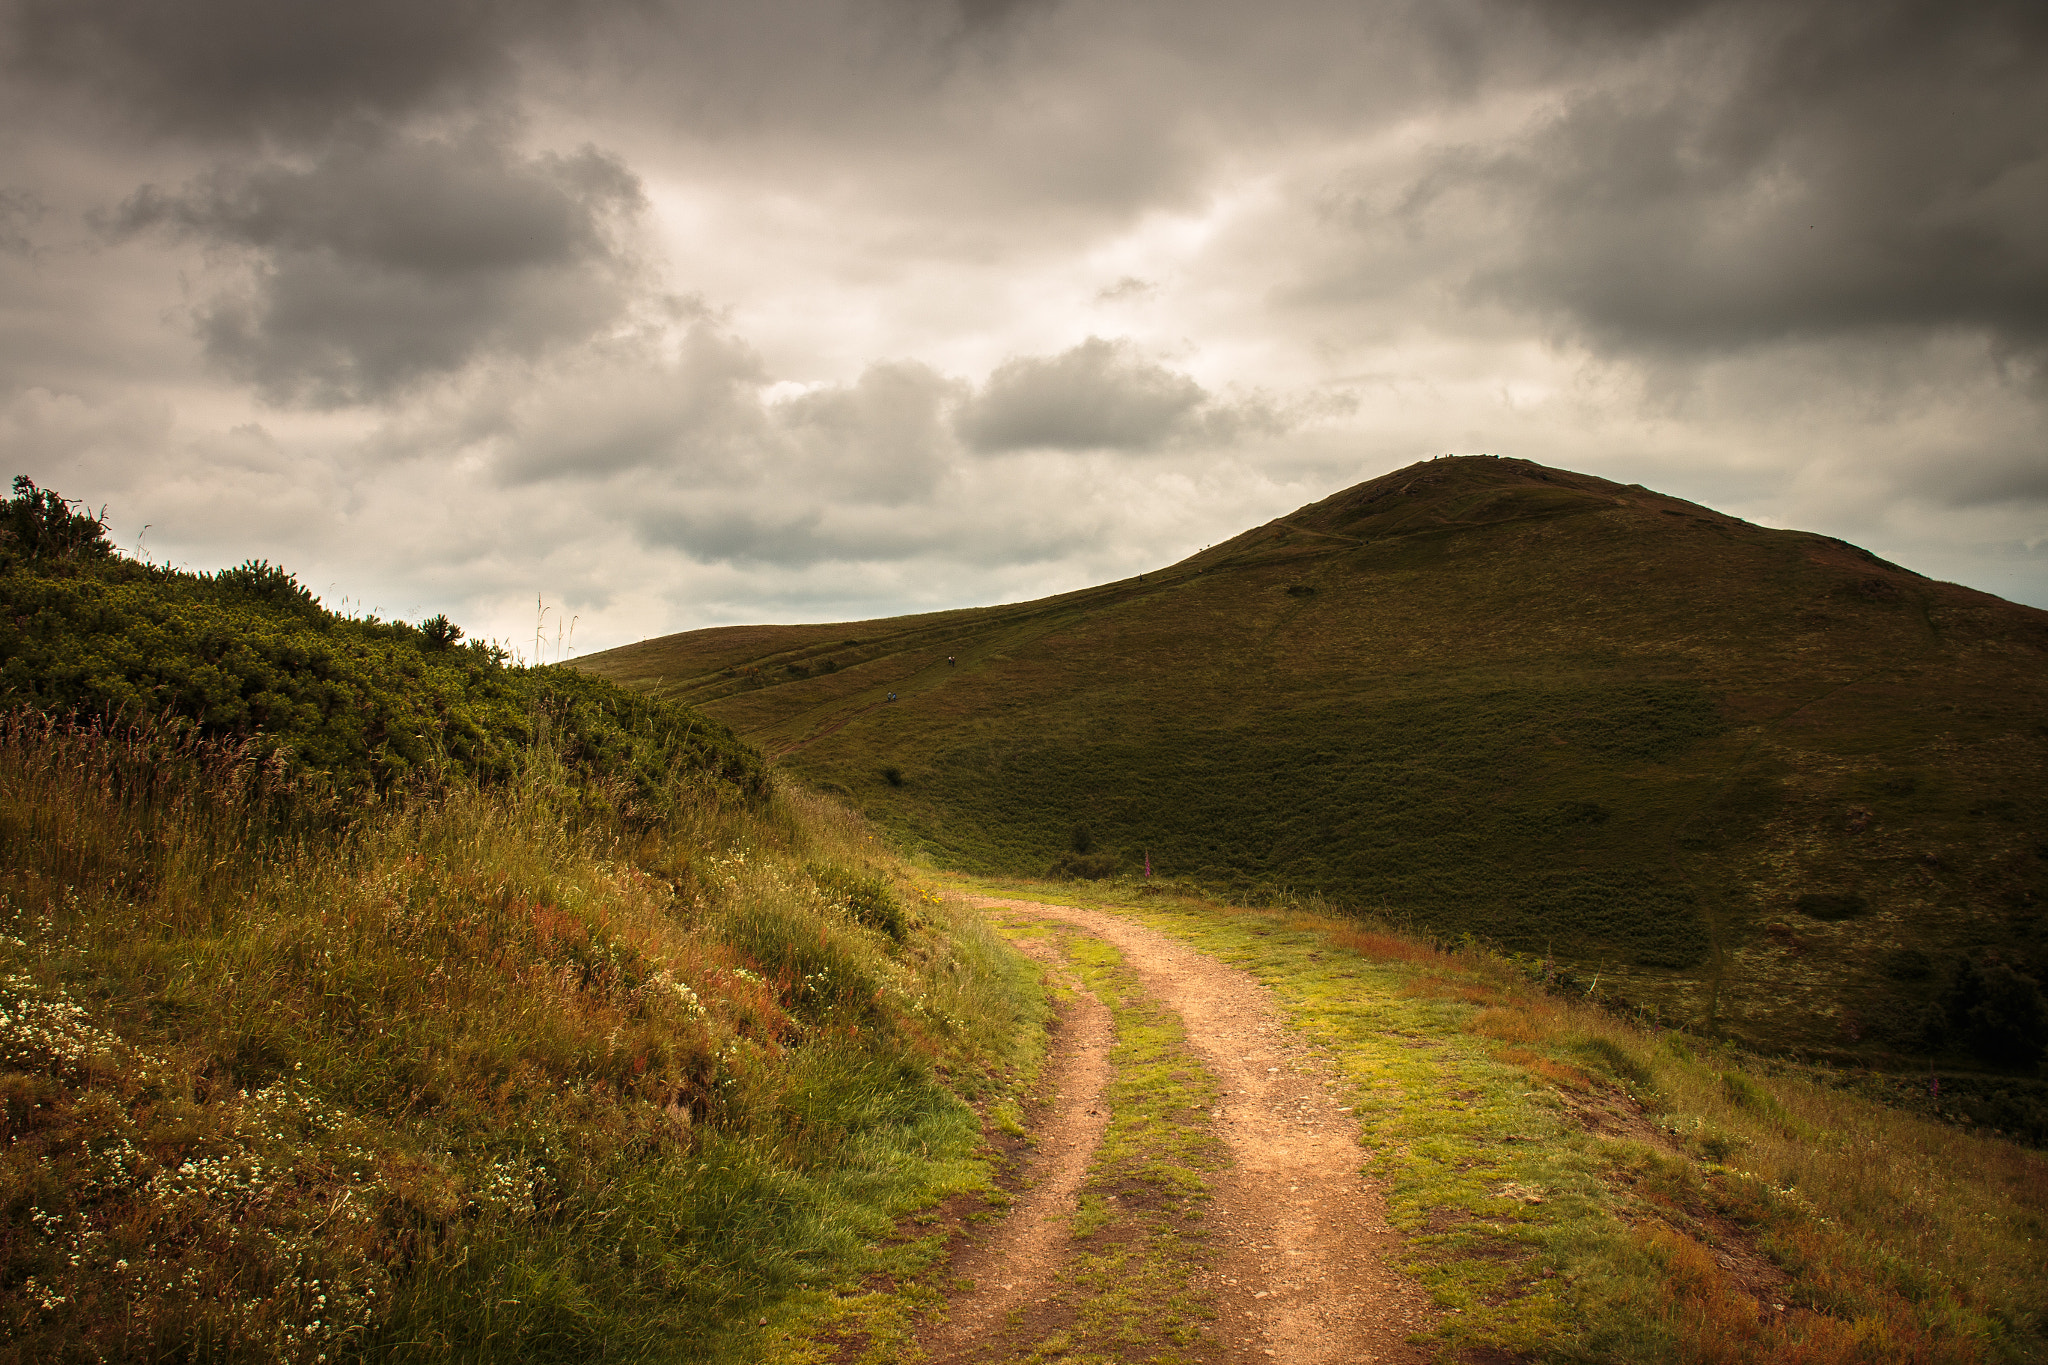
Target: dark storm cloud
x: 1098, y: 396
x: 241, y: 67
x: 1765, y: 172
x: 392, y: 260
x: 18, y: 209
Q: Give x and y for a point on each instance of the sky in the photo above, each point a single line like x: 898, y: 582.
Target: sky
x: 584, y: 321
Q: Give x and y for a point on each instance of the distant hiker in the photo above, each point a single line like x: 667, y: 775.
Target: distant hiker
x: 949, y: 661
x: 892, y: 696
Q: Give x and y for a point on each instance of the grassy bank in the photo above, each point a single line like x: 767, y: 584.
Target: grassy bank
x: 473, y: 1074
x: 1577, y: 1187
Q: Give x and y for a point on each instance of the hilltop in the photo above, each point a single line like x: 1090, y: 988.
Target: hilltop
x: 1755, y: 780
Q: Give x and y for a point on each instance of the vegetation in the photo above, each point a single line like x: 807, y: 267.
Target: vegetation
x: 1756, y: 781
x: 1141, y: 1235
x: 362, y: 997
x: 347, y: 706
x: 1577, y: 1186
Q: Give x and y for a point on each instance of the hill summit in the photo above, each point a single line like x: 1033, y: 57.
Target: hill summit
x: 1758, y: 780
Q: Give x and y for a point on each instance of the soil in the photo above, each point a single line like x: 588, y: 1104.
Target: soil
x: 1010, y: 1271
x: 1303, y: 1275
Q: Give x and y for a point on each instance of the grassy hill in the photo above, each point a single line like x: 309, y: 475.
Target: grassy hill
x: 1756, y: 780
x: 364, y: 998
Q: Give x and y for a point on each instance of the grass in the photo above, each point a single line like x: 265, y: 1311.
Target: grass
x: 1741, y: 774
x: 1579, y: 1186
x: 475, y: 1075
x: 1140, y: 1235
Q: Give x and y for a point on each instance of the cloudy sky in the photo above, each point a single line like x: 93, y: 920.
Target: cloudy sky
x: 670, y: 313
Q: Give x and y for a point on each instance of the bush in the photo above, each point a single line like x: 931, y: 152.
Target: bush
x: 1832, y: 906
x: 1091, y: 867
x: 40, y: 527
x: 1997, y: 1012
x: 248, y: 654
x: 866, y: 897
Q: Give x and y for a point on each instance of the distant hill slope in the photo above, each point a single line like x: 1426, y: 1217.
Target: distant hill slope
x: 1756, y: 779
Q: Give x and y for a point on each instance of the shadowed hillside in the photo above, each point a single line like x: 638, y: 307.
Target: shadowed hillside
x: 1755, y: 779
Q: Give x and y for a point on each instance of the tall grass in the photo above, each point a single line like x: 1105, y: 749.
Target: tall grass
x: 1878, y: 1235
x: 461, y: 1074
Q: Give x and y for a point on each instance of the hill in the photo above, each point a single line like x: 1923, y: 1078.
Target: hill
x: 1754, y: 780
x: 363, y: 997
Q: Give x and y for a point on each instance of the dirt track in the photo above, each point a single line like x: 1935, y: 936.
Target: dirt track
x: 1303, y: 1275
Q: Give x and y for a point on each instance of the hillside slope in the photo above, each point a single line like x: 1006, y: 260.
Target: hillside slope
x: 1758, y: 780
x: 365, y: 998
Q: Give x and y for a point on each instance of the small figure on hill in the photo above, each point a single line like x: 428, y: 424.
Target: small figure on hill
x: 892, y: 696
x: 949, y: 661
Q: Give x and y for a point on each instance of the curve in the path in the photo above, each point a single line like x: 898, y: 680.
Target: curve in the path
x: 1305, y: 1274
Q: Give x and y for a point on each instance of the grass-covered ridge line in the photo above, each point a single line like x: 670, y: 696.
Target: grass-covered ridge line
x: 344, y: 703
x: 1756, y: 779
x: 364, y: 998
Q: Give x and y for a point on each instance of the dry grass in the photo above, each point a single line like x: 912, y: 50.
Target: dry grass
x: 1893, y: 1237
x: 1697, y: 1203
x: 486, y: 1074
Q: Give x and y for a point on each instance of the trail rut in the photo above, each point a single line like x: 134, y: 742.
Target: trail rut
x: 1303, y: 1275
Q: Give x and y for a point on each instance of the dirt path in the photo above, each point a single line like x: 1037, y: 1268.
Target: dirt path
x: 1016, y: 1266
x: 1303, y: 1275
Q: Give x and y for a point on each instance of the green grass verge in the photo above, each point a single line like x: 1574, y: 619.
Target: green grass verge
x: 1575, y: 1187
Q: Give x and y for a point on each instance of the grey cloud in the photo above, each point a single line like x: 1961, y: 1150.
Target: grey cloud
x: 389, y: 261
x: 1099, y: 395
x: 620, y: 410
x: 884, y: 435
x: 1129, y: 287
x: 18, y: 209
x: 244, y: 67
x: 1769, y: 172
x: 702, y: 415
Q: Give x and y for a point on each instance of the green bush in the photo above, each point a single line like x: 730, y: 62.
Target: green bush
x: 866, y: 897
x: 354, y: 705
x: 1091, y: 867
x: 1836, y: 906
x: 1996, y: 1011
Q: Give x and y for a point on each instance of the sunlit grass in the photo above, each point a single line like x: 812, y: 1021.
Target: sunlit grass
x: 1578, y: 1186
x: 475, y: 1074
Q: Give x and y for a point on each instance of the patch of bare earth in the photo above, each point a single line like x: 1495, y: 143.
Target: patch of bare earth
x: 1015, y: 1270
x: 1303, y: 1275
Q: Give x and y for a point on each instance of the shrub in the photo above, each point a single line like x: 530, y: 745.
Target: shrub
x: 1997, y: 1012
x: 1832, y: 906
x: 440, y: 632
x: 40, y: 527
x: 248, y: 654
x: 1083, y: 866
x: 866, y: 897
